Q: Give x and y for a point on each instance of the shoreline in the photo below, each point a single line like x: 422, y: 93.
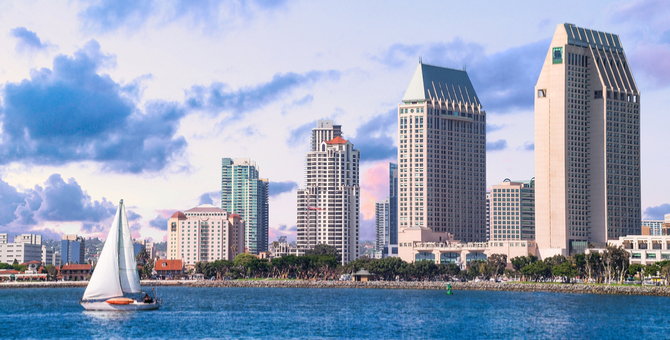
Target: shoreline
x: 488, y: 286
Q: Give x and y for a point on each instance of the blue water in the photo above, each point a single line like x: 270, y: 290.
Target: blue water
x: 338, y: 313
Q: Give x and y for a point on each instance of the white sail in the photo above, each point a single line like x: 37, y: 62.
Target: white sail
x: 104, y: 283
x: 130, y: 279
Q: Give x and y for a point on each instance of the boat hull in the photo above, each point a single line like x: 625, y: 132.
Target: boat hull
x: 104, y: 306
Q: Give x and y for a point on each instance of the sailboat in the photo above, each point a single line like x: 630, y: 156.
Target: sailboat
x: 116, y: 273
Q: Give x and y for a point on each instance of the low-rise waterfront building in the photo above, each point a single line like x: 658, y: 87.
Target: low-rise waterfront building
x: 75, y: 272
x: 168, y: 268
x: 644, y: 249
x: 419, y: 244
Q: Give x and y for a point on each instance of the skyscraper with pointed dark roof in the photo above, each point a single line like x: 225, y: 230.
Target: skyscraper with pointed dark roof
x: 442, y: 155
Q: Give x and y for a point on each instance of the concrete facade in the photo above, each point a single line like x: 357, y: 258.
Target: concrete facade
x: 419, y: 244
x: 644, y: 249
x: 442, y: 155
x: 21, y: 252
x: 329, y: 206
x: 382, y: 225
x: 587, y: 143
x: 512, y: 215
x: 205, y: 233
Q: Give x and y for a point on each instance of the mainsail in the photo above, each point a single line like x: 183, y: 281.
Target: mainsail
x: 116, y: 270
x: 130, y: 280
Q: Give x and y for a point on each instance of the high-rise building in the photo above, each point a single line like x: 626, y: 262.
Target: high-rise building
x: 488, y: 216
x: 587, y: 143
x: 382, y: 225
x: 393, y: 203
x: 205, y: 233
x: 73, y: 249
x: 651, y: 227
x: 245, y: 194
x: 442, y: 155
x: 512, y: 215
x: 329, y: 206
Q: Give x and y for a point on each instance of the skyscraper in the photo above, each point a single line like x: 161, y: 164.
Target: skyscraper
x: 393, y: 203
x: 329, y: 206
x: 587, y: 143
x: 512, y: 215
x: 442, y: 155
x: 245, y: 194
x: 382, y: 230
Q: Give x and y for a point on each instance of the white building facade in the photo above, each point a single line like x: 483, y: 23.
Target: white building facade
x: 329, y: 206
x: 205, y: 233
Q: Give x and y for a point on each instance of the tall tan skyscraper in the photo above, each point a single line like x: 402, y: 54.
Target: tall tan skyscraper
x: 329, y: 206
x: 442, y: 155
x: 587, y: 143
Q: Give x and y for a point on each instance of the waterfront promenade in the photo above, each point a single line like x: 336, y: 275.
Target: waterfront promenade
x: 488, y: 286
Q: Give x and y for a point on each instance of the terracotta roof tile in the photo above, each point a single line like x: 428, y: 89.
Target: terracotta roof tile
x: 337, y: 140
x: 168, y: 265
x: 76, y: 267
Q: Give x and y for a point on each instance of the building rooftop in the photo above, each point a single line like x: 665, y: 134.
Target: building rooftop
x: 337, y: 140
x: 585, y: 37
x: 446, y: 84
x: 363, y: 272
x: 205, y: 208
x: 168, y: 265
x: 235, y: 216
x: 76, y: 267
x: 179, y: 215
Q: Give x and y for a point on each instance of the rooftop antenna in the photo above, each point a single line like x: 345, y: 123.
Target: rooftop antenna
x: 419, y: 59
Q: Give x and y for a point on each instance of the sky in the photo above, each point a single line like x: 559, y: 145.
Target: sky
x: 140, y: 100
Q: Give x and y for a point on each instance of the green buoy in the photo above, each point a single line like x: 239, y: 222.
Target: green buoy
x: 449, y: 289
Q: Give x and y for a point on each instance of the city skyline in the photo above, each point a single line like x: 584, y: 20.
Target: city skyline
x: 168, y: 74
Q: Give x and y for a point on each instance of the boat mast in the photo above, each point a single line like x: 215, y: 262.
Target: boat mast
x: 119, y: 243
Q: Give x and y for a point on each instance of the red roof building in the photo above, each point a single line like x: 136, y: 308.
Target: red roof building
x: 75, y: 272
x: 168, y: 268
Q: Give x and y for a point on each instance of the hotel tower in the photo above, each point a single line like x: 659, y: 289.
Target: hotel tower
x: 329, y: 206
x: 587, y: 143
x: 442, y: 155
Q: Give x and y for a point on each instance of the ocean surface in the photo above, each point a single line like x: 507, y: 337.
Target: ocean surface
x: 339, y: 313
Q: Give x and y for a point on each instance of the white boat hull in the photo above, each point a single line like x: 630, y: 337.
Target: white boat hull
x: 104, y: 306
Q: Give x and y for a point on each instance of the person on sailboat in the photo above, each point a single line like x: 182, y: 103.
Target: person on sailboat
x: 147, y: 298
